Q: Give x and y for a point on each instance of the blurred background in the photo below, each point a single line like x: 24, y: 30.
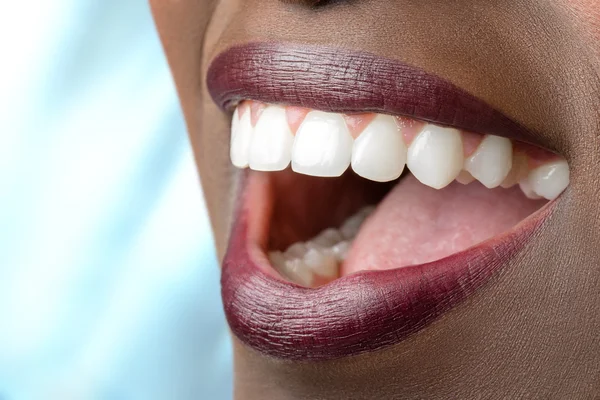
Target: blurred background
x: 109, y: 286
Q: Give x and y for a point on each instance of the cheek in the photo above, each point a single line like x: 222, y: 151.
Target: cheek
x: 587, y: 13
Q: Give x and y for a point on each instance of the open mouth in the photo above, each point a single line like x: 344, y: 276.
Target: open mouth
x: 361, y: 192
x: 364, y: 215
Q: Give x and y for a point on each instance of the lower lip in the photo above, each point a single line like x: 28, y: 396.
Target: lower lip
x: 358, y: 313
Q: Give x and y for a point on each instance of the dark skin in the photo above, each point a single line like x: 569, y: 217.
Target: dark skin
x: 533, y: 331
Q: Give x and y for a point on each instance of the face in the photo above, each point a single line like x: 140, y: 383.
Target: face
x: 403, y: 194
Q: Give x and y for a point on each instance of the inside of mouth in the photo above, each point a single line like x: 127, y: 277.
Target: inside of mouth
x: 325, y: 228
x: 305, y: 206
x: 356, y: 192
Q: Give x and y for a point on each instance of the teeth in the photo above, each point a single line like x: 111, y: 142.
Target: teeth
x: 323, y: 145
x: 491, y: 162
x: 528, y: 191
x: 318, y: 260
x: 278, y: 259
x: 298, y: 271
x: 297, y: 250
x: 322, y: 263
x: 379, y: 153
x: 241, y: 135
x: 340, y: 250
x: 435, y: 157
x: 270, y: 148
x: 549, y: 180
x: 326, y: 239
x: 293, y: 269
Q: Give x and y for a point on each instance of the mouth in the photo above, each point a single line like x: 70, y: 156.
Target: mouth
x: 368, y: 207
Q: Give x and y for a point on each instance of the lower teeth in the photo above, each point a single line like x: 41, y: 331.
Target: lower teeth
x: 318, y: 261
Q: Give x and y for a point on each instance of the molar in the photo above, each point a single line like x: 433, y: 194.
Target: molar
x: 340, y: 250
x: 326, y: 239
x: 318, y: 260
x: 293, y: 269
x: 322, y: 263
x: 297, y: 271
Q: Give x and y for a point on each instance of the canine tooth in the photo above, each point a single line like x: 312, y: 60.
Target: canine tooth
x: 379, y: 153
x: 435, y: 157
x: 271, y: 145
x: 464, y: 177
x: 491, y: 162
x: 323, y: 145
x: 241, y: 135
x: 322, y: 263
x: 297, y: 250
x: 550, y: 179
x: 340, y: 250
x: 299, y: 272
x: 527, y: 190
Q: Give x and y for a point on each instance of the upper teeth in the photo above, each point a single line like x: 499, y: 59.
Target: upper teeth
x: 324, y: 145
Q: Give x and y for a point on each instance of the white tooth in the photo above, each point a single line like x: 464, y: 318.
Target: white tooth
x: 527, y: 190
x: 299, y: 272
x: 277, y: 259
x: 435, y: 157
x: 323, y: 145
x: 464, y: 178
x: 491, y: 162
x: 550, y: 179
x: 271, y: 145
x: 327, y: 238
x: 241, y: 136
x: 340, y: 250
x: 379, y: 153
x: 322, y: 263
x: 297, y: 250
x: 350, y: 228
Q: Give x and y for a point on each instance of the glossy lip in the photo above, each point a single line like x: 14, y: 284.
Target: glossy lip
x: 369, y: 310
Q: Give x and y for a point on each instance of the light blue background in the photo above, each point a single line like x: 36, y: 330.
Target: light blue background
x: 108, y: 280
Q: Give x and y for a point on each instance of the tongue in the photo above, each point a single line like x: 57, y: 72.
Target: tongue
x: 415, y: 224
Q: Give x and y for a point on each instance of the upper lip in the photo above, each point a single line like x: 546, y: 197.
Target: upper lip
x: 368, y: 310
x: 344, y: 81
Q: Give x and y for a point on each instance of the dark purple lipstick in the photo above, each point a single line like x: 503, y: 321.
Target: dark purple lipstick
x: 369, y: 310
x: 343, y: 81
